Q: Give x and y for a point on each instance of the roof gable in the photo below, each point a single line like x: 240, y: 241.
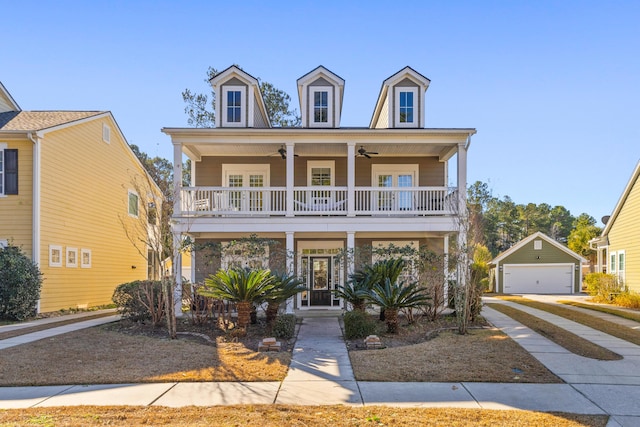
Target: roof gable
x: 321, y: 76
x: 537, y: 235
x: 7, y: 103
x: 403, y: 78
x: 623, y: 198
x: 27, y: 121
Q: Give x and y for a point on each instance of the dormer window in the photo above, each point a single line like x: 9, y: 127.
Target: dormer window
x: 406, y: 107
x: 321, y: 105
x: 233, y: 108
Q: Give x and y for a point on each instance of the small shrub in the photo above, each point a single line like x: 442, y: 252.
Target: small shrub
x: 140, y: 301
x: 602, y: 287
x: 284, y: 326
x: 628, y: 300
x: 358, y: 324
x: 20, y: 282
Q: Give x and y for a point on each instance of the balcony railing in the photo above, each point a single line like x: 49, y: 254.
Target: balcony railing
x: 331, y: 201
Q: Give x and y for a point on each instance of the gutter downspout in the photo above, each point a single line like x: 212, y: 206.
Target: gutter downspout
x: 36, y: 138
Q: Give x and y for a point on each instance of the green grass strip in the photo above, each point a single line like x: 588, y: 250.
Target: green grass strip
x: 604, y: 309
x: 570, y: 341
x: 613, y: 329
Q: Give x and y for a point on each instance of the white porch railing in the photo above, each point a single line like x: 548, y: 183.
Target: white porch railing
x: 272, y: 201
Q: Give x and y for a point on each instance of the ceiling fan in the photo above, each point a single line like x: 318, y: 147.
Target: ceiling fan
x: 283, y: 152
x: 363, y: 152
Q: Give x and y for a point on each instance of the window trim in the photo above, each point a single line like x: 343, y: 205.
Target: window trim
x: 613, y: 262
x: 243, y: 108
x: 137, y: 210
x: 416, y: 111
x: 330, y: 113
x: 537, y: 245
x: 106, y: 133
x: 71, y: 263
x: 82, y: 254
x: 52, y: 249
x: 311, y: 164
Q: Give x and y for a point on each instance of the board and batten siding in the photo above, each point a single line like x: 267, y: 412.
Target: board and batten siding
x: 624, y: 235
x: 84, y: 205
x: 549, y: 254
x: 16, y: 211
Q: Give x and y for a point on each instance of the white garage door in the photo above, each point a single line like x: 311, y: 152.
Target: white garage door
x: 538, y: 279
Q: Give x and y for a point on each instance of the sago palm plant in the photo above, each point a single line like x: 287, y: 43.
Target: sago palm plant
x: 285, y: 286
x: 355, y: 293
x: 391, y: 297
x: 239, y: 285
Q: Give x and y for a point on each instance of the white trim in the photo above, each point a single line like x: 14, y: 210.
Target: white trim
x: 84, y: 252
x: 331, y: 164
x: 330, y: 107
x: 72, y: 261
x: 537, y: 245
x: 396, y: 107
x: 535, y: 235
x: 243, y: 107
x: 318, y: 244
x: 137, y: 208
x: 52, y: 251
x: 245, y: 169
x: 3, y: 147
x: 395, y: 170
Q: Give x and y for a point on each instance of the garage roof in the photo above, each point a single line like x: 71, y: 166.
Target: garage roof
x: 536, y: 235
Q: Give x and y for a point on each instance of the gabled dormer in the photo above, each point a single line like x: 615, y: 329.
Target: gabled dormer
x: 239, y: 103
x: 320, y: 92
x: 7, y: 103
x: 401, y: 101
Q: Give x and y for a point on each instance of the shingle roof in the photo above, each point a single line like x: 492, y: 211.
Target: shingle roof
x: 39, y: 120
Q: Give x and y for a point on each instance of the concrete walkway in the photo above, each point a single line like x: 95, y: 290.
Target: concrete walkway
x: 321, y: 374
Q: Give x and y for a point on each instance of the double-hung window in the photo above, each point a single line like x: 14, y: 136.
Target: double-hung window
x: 8, y: 170
x: 320, y: 106
x: 406, y: 107
x: 233, y: 106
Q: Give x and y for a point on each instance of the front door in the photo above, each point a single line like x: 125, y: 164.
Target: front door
x: 320, y: 279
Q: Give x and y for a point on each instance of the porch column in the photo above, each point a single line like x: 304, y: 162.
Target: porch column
x: 291, y: 258
x: 177, y: 274
x: 177, y: 179
x: 462, y: 216
x: 351, y: 178
x: 446, y: 269
x: 290, y: 157
x: 351, y: 247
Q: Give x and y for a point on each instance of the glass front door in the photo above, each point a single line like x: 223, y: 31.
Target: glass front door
x: 320, y: 281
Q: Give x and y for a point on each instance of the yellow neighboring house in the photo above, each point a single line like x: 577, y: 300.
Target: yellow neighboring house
x: 618, y: 248
x: 75, y: 198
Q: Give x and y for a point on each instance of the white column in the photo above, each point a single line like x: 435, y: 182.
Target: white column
x: 446, y: 270
x: 351, y: 178
x: 177, y: 274
x: 177, y: 179
x: 462, y: 213
x: 351, y: 247
x: 291, y: 257
x: 290, y: 157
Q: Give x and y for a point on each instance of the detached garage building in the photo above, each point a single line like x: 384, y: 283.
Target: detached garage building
x: 537, y: 265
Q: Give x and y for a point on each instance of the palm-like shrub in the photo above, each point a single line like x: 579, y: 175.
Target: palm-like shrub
x: 393, y: 296
x: 285, y: 286
x: 378, y: 274
x: 239, y: 285
x: 355, y: 292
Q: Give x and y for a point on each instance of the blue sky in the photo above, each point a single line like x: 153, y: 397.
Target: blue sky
x: 551, y: 86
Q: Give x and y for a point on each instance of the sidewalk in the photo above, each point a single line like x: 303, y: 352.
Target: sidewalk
x: 321, y: 374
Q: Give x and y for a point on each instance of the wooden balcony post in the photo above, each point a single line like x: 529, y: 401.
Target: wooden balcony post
x: 177, y: 179
x: 290, y: 157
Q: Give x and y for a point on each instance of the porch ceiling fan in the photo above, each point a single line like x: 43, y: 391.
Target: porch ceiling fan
x: 283, y: 152
x: 363, y: 152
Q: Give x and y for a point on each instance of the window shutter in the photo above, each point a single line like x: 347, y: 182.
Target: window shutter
x: 11, y: 171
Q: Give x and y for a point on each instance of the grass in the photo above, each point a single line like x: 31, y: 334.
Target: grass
x: 560, y: 336
x: 614, y: 329
x: 483, y: 355
x: 605, y: 309
x: 103, y: 355
x: 281, y: 415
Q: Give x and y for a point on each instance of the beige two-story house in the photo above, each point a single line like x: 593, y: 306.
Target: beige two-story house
x: 320, y: 189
